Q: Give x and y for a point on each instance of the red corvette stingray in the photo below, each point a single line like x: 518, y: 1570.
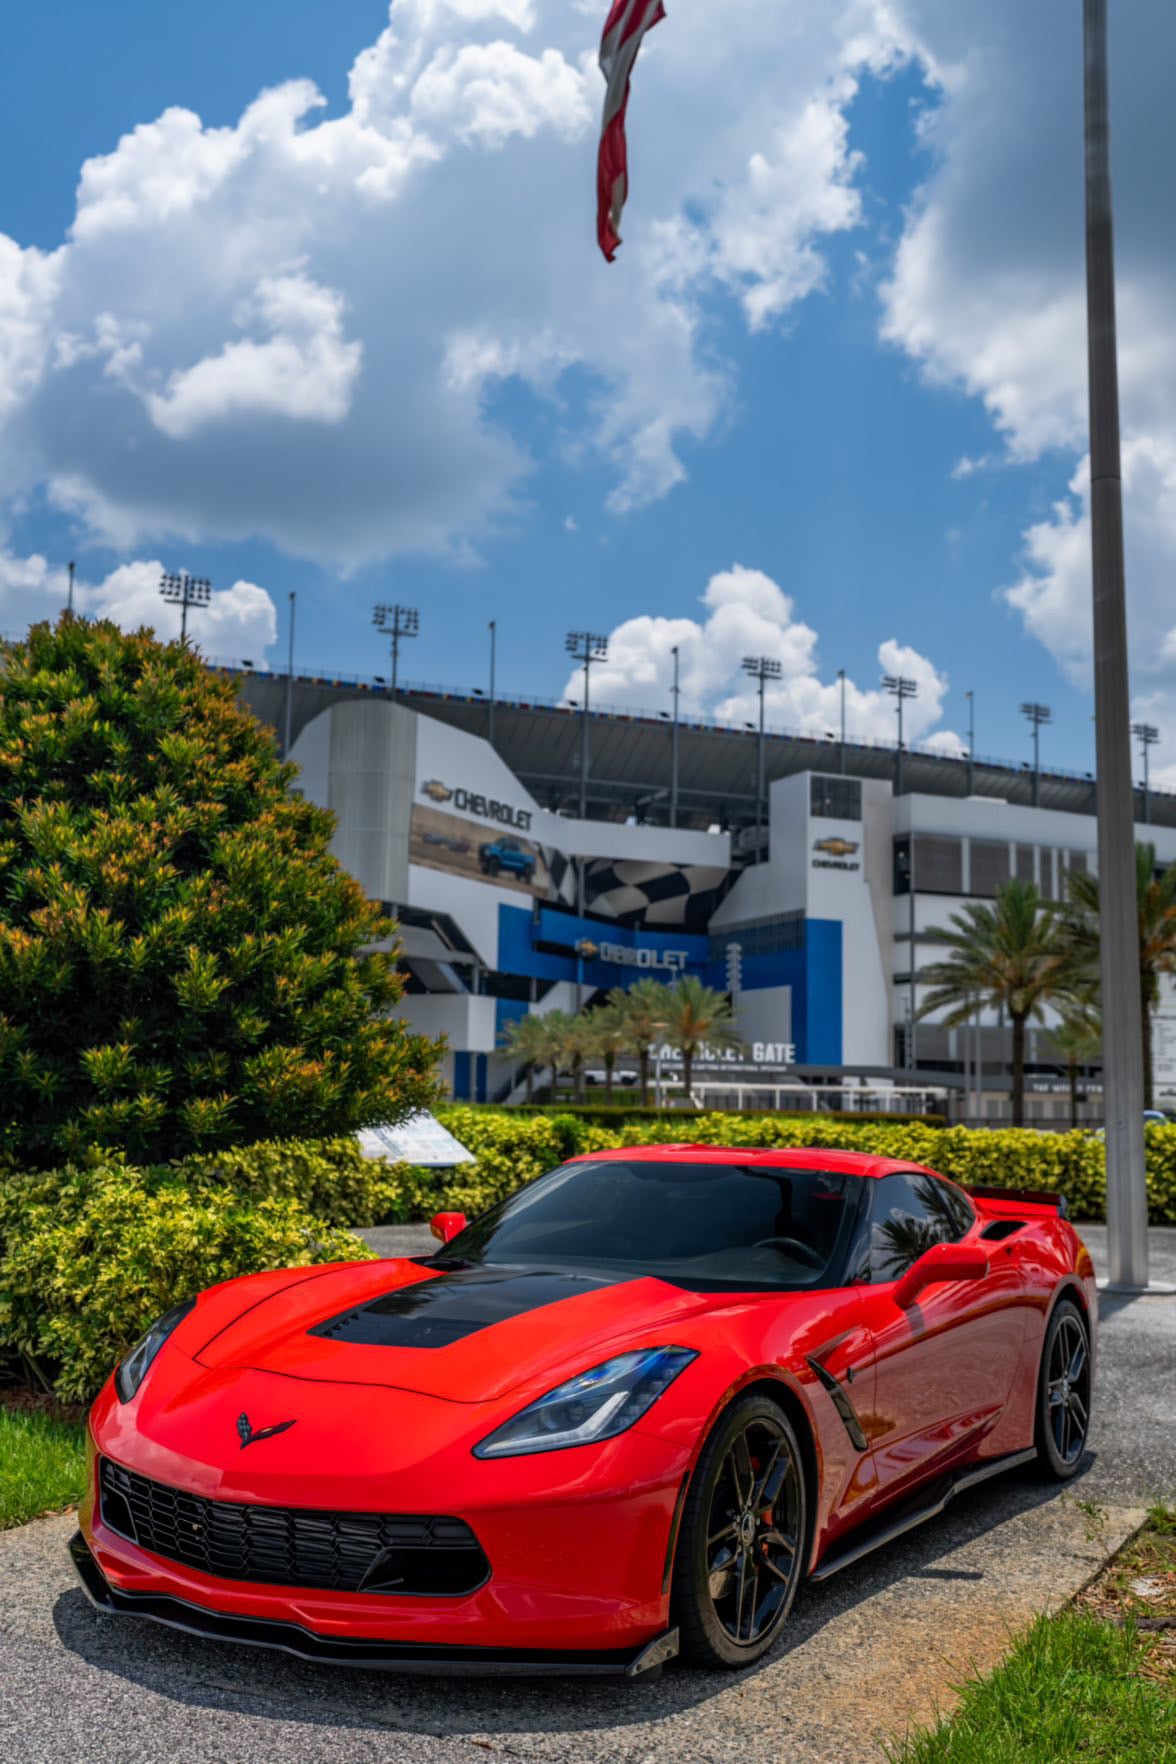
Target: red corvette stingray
x: 620, y: 1416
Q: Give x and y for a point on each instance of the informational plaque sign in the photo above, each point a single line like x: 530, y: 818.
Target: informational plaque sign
x: 418, y: 1139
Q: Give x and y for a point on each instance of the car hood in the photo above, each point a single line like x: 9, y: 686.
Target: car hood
x: 461, y: 1334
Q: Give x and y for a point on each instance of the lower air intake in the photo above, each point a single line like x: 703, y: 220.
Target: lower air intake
x: 423, y: 1555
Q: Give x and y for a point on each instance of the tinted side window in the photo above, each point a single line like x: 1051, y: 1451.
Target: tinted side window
x: 909, y: 1213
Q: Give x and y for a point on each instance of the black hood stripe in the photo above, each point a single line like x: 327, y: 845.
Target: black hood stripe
x: 435, y: 1313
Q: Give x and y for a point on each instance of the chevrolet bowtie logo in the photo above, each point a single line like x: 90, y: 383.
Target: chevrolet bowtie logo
x: 837, y: 847
x: 587, y: 949
x: 248, y: 1437
x: 438, y: 791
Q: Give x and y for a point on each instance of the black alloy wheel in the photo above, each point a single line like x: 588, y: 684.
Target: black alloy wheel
x: 740, y: 1553
x: 1063, y: 1403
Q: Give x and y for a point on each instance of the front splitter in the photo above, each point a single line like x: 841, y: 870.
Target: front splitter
x: 375, y: 1655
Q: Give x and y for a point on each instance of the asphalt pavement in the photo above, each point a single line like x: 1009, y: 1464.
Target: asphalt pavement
x: 867, y: 1652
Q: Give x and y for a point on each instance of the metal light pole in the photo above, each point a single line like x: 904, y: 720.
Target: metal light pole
x: 841, y: 677
x: 587, y: 648
x: 1147, y: 737
x: 290, y: 679
x: 1037, y: 714
x: 493, y: 659
x: 762, y: 669
x: 183, y: 590
x: 900, y: 689
x: 971, y: 698
x: 674, y: 745
x: 1118, y: 907
x: 398, y: 622
x: 69, y: 602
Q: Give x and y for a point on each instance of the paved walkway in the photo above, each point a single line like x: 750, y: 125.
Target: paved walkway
x: 869, y: 1651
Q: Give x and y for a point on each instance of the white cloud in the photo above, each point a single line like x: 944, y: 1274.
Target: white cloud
x: 748, y: 614
x: 293, y: 327
x: 305, y: 370
x: 238, y: 622
x: 987, y: 294
x: 485, y: 92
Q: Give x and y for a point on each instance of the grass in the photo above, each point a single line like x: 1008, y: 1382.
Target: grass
x: 1096, y: 1683
x: 42, y: 1463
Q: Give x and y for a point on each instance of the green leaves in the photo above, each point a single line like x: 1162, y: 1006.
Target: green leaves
x: 156, y: 872
x: 89, y: 1257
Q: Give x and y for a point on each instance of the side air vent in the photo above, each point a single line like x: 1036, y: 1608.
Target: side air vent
x: 1002, y: 1228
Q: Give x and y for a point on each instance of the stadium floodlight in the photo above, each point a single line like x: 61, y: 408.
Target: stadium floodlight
x: 182, y: 590
x: 1037, y: 715
x: 762, y: 668
x: 676, y: 695
x: 1147, y: 736
x: 900, y: 689
x: 396, y: 622
x: 587, y: 647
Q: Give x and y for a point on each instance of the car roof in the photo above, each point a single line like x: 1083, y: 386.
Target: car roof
x: 768, y: 1157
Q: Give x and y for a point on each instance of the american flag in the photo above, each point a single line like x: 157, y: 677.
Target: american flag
x: 627, y: 23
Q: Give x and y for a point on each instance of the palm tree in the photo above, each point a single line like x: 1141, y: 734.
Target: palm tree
x: 565, y: 1051
x: 528, y: 1039
x: 609, y: 1039
x: 1077, y: 1039
x: 1156, y: 895
x: 579, y: 1044
x: 644, y: 1010
x: 698, y: 1016
x: 1005, y: 955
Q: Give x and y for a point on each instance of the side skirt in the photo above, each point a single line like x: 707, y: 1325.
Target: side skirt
x: 871, y: 1538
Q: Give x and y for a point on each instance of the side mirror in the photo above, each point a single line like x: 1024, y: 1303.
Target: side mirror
x: 445, y: 1226
x: 941, y: 1263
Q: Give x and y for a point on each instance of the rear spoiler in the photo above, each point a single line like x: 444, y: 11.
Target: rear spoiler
x: 1018, y: 1197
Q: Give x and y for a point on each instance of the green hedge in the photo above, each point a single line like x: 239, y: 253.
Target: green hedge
x: 88, y: 1258
x: 511, y: 1147
x: 620, y: 1113
x: 330, y: 1177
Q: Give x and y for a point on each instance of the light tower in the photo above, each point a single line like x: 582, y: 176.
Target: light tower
x: 586, y: 647
x: 901, y: 689
x: 762, y: 669
x: 1037, y: 715
x: 1147, y: 736
x: 183, y: 590
x: 396, y: 622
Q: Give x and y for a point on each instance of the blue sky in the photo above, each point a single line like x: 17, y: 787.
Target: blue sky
x: 814, y: 450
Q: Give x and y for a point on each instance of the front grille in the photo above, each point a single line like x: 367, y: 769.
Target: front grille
x: 294, y: 1546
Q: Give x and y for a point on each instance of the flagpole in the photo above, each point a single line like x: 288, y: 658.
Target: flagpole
x: 1118, y: 907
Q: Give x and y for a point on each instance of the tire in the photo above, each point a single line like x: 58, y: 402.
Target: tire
x: 1063, y: 1393
x: 740, y: 1551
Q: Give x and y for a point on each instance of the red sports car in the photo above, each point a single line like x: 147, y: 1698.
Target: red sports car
x: 618, y: 1417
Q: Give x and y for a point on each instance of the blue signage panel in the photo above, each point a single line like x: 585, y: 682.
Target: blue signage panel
x: 603, y: 956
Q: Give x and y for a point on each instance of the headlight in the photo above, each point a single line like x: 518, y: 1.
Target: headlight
x: 596, y: 1405
x: 132, y: 1371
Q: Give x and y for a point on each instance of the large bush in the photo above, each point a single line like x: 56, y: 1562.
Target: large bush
x: 331, y: 1178
x: 183, y: 964
x: 89, y: 1257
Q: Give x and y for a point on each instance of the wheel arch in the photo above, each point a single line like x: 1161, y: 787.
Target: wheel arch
x: 781, y: 1390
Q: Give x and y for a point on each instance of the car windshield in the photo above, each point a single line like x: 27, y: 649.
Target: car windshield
x: 702, y: 1225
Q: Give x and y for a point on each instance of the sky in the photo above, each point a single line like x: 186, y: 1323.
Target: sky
x: 307, y: 300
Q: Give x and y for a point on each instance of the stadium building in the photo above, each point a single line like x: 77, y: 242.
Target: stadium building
x: 536, y: 858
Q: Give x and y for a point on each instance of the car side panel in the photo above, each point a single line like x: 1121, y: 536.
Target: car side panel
x: 947, y: 1366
